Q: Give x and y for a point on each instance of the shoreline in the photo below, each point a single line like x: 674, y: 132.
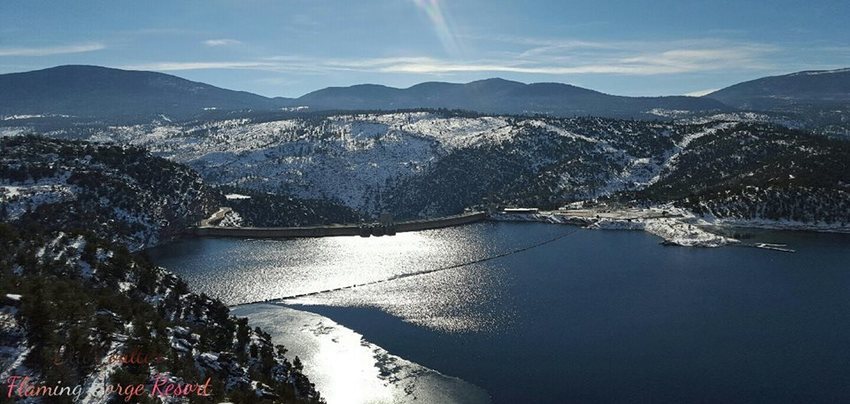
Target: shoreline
x: 674, y: 225
x: 380, y: 368
x: 345, y: 367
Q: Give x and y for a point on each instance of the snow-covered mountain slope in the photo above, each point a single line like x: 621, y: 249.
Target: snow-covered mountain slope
x: 758, y: 173
x: 119, y: 193
x: 356, y: 158
x: 833, y: 121
x: 342, y: 157
x: 437, y: 162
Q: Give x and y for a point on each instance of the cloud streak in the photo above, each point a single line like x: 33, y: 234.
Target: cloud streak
x: 221, y: 42
x: 53, y: 50
x: 178, y: 66
x: 556, y: 58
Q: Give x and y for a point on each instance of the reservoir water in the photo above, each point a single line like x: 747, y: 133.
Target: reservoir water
x: 583, y: 316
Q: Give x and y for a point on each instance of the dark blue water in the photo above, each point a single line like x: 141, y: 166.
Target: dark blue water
x: 598, y: 316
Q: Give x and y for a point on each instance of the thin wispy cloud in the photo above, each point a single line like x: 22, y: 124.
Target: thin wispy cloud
x: 178, y: 66
x: 575, y: 56
x: 566, y: 57
x: 52, y: 50
x: 222, y: 42
x: 571, y: 51
x: 635, y: 51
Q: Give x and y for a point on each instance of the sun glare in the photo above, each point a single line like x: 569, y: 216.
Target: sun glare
x: 440, y: 24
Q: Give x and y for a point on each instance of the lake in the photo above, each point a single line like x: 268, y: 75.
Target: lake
x: 554, y: 313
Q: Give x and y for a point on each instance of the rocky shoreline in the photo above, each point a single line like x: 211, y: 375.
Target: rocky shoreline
x: 675, y: 226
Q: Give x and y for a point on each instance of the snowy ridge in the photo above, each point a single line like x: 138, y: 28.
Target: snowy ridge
x: 821, y: 72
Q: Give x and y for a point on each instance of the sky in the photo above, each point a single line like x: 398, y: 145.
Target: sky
x: 291, y: 47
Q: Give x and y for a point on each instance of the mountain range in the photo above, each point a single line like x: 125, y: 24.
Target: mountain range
x: 499, y: 96
x: 123, y: 95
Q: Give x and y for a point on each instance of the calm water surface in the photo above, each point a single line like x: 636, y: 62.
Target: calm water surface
x: 594, y: 316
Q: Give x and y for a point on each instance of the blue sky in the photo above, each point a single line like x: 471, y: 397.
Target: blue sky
x: 291, y: 47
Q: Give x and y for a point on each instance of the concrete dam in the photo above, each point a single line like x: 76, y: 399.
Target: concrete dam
x: 371, y: 229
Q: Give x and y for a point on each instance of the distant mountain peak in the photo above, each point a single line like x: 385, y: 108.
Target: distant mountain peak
x: 496, y: 80
x: 806, y: 89
x: 107, y: 93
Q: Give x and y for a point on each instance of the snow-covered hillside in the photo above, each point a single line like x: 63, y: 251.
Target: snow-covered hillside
x: 354, y: 158
x: 423, y: 163
x: 119, y: 193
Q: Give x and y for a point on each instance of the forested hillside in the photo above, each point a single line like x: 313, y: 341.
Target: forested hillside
x: 76, y: 302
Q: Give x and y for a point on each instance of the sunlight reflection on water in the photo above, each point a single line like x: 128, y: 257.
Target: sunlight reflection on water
x: 609, y: 315
x: 345, y: 367
x: 454, y: 301
x: 244, y: 271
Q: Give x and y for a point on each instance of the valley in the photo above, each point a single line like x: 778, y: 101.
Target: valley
x: 424, y: 201
x: 87, y: 196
